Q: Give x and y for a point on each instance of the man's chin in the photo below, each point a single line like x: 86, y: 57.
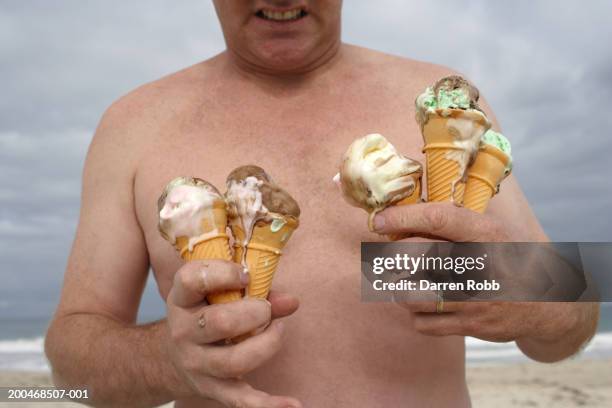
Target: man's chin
x: 288, y: 57
x: 287, y: 61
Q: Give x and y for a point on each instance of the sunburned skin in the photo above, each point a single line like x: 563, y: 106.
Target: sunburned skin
x: 185, y: 203
x: 337, y: 351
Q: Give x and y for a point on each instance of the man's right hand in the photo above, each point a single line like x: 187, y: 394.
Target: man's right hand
x: 197, y: 332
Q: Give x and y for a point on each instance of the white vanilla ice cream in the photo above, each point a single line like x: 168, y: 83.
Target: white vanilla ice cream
x: 246, y: 207
x: 373, y: 175
x: 184, y: 207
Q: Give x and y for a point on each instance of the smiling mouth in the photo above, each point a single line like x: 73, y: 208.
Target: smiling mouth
x: 282, y: 16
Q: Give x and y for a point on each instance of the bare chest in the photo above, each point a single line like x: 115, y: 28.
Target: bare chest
x: 299, y: 141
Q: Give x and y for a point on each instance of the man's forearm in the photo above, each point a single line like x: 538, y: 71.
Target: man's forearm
x: 120, y: 365
x: 549, y: 345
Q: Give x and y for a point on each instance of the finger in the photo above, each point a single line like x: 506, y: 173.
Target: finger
x: 432, y: 307
x: 283, y: 304
x: 196, y: 279
x: 237, y: 393
x: 423, y: 238
x: 228, y: 320
x: 237, y: 360
x: 438, y: 324
x: 443, y: 220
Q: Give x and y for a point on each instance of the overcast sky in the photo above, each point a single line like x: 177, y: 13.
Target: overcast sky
x: 544, y: 66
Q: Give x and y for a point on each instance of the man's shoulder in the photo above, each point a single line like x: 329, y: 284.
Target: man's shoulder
x: 398, y: 68
x: 158, y: 100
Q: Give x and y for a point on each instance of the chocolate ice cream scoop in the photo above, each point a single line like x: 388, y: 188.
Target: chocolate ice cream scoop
x: 244, y: 180
x: 262, y: 218
x: 456, y: 90
x: 447, y: 94
x: 250, y: 170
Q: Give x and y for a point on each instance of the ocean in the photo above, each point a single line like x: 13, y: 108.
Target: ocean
x: 22, y: 342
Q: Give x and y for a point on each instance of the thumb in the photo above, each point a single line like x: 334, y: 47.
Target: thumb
x: 441, y: 220
x: 283, y: 304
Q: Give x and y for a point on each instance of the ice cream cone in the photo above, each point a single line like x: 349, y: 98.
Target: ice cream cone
x: 484, y: 177
x: 263, y: 250
x: 447, y: 155
x: 213, y: 244
x: 414, y: 198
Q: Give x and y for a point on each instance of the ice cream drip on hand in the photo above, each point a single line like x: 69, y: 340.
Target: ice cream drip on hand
x: 253, y: 197
x: 183, y: 207
x: 373, y: 175
x: 455, y: 99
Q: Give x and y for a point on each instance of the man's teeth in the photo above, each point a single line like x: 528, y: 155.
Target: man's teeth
x: 282, y: 15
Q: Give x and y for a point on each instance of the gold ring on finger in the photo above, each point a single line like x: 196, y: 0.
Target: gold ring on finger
x: 439, y: 302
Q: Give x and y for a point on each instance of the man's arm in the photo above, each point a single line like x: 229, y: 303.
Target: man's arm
x: 119, y: 364
x: 92, y: 340
x: 565, y: 327
x: 545, y: 332
x: 570, y: 327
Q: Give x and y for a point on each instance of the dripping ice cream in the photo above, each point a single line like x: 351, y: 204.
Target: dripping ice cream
x: 262, y: 218
x: 453, y: 125
x: 193, y: 218
x: 373, y: 175
x: 186, y: 207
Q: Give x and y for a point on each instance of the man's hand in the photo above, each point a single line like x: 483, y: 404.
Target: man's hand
x: 544, y: 331
x: 448, y: 222
x: 198, y: 332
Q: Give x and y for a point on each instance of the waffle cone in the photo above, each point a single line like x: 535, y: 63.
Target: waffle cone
x: 442, y: 173
x: 484, y: 176
x: 443, y: 152
x: 263, y: 252
x: 214, y: 245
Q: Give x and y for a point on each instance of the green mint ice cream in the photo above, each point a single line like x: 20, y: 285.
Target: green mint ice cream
x: 452, y: 92
x: 446, y: 99
x: 455, y: 98
x: 499, y: 141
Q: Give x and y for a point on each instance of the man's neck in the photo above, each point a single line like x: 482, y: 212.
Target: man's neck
x: 289, y: 79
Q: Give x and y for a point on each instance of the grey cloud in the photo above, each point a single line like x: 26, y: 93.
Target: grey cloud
x: 68, y: 60
x: 545, y: 68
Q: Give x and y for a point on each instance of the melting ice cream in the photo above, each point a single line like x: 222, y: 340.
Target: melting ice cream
x: 373, y: 175
x: 184, y: 204
x: 456, y: 100
x: 253, y: 197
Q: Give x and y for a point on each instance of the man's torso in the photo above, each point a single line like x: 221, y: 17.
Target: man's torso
x: 339, y: 351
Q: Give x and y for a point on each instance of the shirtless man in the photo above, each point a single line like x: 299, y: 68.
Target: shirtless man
x: 290, y: 97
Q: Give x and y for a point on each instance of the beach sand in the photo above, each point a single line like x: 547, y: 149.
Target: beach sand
x: 573, y: 383
x: 579, y: 383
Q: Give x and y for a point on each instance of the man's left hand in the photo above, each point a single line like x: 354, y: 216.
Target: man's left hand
x: 536, y: 326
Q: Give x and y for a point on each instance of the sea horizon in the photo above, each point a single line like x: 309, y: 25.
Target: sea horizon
x: 22, y: 344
